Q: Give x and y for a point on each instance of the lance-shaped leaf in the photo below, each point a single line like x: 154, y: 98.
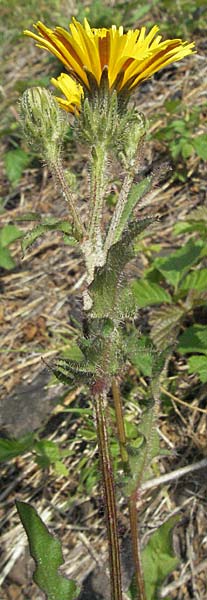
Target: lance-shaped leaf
x: 137, y: 192
x: 107, y: 286
x: 47, y: 554
x: 48, y: 225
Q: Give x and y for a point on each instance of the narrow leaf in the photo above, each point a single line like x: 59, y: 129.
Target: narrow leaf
x: 137, y: 192
x: 47, y: 554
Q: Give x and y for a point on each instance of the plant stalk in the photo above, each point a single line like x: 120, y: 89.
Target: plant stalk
x: 58, y: 174
x: 98, y: 184
x: 109, y: 496
x: 136, y: 552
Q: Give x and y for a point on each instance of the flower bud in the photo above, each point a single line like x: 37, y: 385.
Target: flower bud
x: 132, y: 132
x: 44, y: 123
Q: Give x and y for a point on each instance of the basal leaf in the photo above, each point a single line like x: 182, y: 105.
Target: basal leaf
x: 47, y: 554
x: 158, y: 558
x: 147, y: 293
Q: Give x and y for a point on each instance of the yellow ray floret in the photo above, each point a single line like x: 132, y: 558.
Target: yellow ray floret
x: 135, y: 55
x: 72, y: 91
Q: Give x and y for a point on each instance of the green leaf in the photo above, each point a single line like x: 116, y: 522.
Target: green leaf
x: 137, y: 192
x: 9, y: 448
x: 174, y: 267
x: 158, y: 558
x: 8, y: 234
x: 6, y: 261
x: 15, y: 162
x: 47, y: 554
x: 198, y: 364
x: 147, y: 293
x: 194, y: 339
x: 108, y: 284
x: 197, y: 280
x: 138, y: 350
x: 200, y: 145
x: 165, y: 322
x: 49, y: 224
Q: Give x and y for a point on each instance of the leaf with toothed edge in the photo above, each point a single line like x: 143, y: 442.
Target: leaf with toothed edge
x: 106, y: 290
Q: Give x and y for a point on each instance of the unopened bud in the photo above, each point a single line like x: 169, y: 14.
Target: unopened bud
x: 44, y: 123
x: 132, y: 135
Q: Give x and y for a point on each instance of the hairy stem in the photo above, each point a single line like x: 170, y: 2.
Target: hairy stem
x: 98, y: 185
x: 136, y: 553
x: 109, y: 497
x: 58, y: 174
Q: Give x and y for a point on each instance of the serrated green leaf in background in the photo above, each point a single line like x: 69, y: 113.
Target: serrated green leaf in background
x: 200, y: 145
x: 164, y: 323
x: 194, y: 339
x: 15, y: 162
x: 158, y: 558
x: 198, y: 364
x: 9, y: 448
x: 6, y: 260
x: 47, y: 554
x: 8, y: 234
x: 197, y: 280
x: 147, y: 293
x: 174, y: 266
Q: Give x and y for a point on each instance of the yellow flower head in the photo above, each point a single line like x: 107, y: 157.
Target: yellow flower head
x: 130, y: 57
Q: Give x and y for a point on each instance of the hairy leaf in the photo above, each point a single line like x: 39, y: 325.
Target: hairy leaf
x: 137, y: 192
x: 47, y: 554
x: 197, y: 280
x: 165, y: 322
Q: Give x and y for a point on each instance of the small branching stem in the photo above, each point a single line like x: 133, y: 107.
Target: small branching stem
x: 98, y: 185
x: 112, y: 233
x: 57, y: 171
x: 109, y: 496
x: 132, y: 502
